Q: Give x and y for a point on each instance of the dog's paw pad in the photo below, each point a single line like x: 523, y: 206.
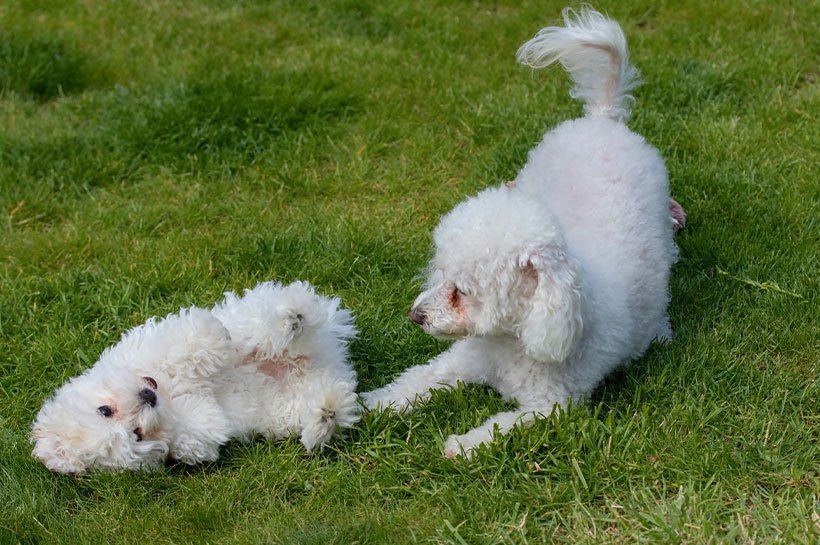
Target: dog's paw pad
x: 293, y: 323
x: 326, y: 415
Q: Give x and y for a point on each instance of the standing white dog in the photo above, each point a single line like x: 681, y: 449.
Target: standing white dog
x: 552, y: 281
x: 272, y: 362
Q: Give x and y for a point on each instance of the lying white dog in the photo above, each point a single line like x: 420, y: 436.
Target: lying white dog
x: 556, y: 279
x: 272, y: 362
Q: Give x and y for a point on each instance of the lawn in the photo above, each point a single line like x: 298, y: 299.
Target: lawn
x: 154, y: 154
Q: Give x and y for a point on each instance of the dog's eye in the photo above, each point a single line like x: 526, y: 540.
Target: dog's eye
x: 105, y: 410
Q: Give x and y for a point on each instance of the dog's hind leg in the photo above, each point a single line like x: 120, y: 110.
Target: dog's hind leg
x: 664, y: 333
x: 334, y: 406
x: 678, y: 215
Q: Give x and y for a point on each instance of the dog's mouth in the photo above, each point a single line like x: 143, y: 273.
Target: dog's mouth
x: 150, y: 381
x: 138, y: 433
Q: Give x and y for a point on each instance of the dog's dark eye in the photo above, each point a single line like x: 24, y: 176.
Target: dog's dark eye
x: 105, y: 410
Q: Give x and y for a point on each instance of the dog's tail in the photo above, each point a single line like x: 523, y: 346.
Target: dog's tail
x: 593, y: 50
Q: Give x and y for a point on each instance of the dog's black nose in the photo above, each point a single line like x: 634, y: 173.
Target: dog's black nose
x: 149, y: 396
x: 418, y: 316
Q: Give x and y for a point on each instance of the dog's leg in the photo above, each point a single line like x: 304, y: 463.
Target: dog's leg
x: 199, y: 348
x: 678, y: 215
x: 664, y: 333
x: 543, y: 389
x: 202, y: 427
x: 456, y: 445
x: 335, y: 406
x: 464, y: 361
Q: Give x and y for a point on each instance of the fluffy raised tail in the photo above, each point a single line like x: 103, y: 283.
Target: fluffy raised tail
x: 592, y: 48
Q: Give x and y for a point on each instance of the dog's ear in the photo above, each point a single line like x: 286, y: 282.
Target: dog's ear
x: 54, y: 456
x: 553, y: 312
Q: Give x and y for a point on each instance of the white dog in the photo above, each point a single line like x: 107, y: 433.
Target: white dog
x: 556, y: 279
x: 272, y: 362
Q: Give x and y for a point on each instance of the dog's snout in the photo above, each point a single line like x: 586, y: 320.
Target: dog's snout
x: 417, y: 315
x: 148, y: 396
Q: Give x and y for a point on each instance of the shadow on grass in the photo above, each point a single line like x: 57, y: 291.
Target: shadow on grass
x: 44, y: 68
x: 209, y: 125
x: 233, y: 117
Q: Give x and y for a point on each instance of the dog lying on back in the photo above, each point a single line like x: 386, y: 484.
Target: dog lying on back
x: 552, y: 281
x: 272, y: 362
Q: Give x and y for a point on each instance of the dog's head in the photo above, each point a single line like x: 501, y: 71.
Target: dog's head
x: 101, y: 420
x: 118, y: 413
x: 500, y: 268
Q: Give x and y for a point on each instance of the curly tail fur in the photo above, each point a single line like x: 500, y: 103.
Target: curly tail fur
x: 592, y: 48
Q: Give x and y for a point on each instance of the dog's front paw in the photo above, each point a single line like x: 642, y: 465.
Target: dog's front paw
x: 192, y: 450
x: 380, y: 400
x: 370, y: 400
x: 458, y: 445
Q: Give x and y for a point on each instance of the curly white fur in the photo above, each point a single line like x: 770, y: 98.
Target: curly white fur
x: 592, y: 48
x: 271, y: 362
x: 552, y: 281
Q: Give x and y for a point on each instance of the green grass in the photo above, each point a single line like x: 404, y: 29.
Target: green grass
x: 155, y: 154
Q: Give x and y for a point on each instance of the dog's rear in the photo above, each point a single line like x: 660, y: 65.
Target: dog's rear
x: 607, y: 186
